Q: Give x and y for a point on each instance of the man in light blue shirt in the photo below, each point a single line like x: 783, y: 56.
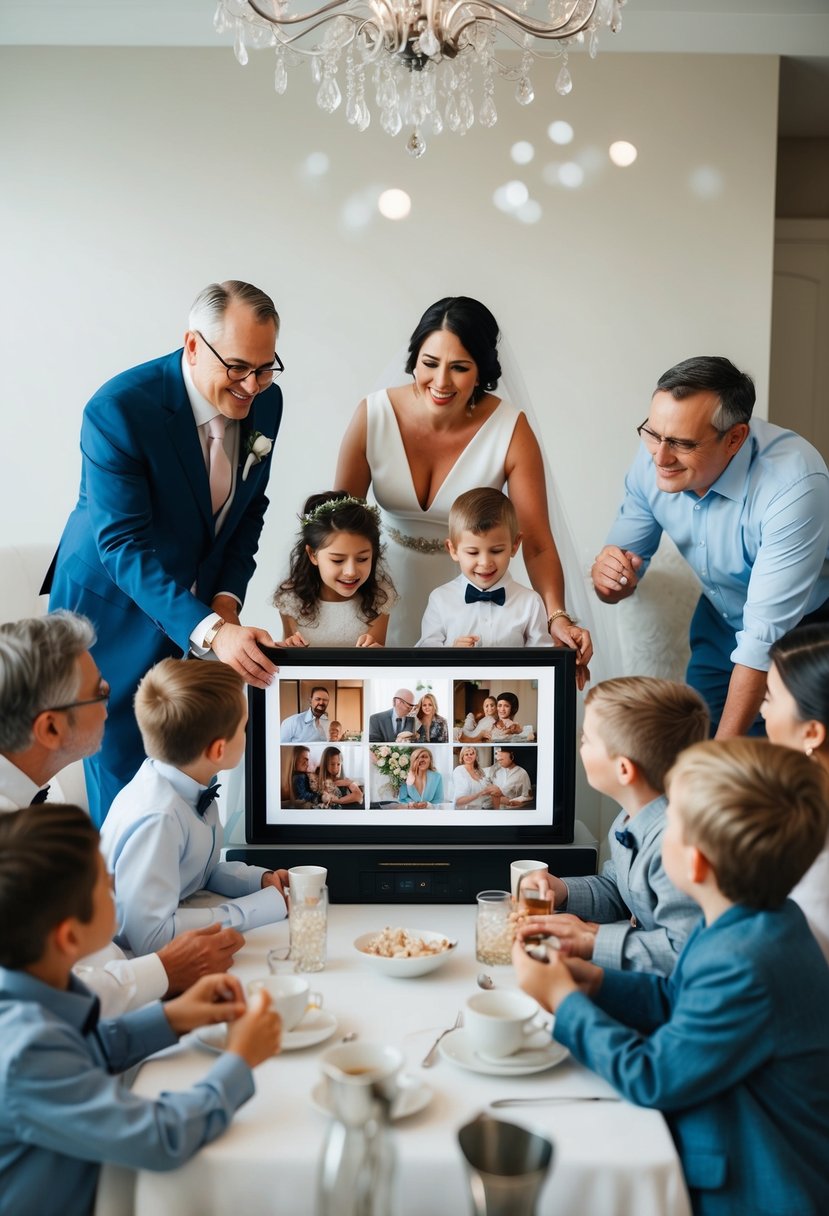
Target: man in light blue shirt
x: 747, y: 505
x: 311, y: 726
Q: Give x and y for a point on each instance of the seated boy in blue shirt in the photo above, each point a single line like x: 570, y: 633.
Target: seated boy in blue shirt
x: 63, y: 1109
x: 162, y: 838
x: 734, y: 1047
x: 631, y: 915
x: 484, y: 605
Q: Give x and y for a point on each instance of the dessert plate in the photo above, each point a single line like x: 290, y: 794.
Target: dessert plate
x: 457, y: 1047
x: 317, y: 1026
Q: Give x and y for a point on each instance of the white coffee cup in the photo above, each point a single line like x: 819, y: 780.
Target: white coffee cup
x: 519, y: 869
x: 306, y: 882
x: 290, y: 996
x: 500, y: 1022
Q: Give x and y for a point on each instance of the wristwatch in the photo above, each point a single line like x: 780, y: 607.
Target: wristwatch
x: 210, y: 636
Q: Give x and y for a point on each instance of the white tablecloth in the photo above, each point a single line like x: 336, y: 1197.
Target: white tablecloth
x: 610, y: 1159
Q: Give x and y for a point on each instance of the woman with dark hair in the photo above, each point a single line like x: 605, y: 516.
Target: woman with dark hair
x: 422, y: 444
x: 337, y: 592
x: 796, y: 710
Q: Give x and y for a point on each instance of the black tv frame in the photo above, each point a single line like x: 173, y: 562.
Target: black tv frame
x: 559, y: 829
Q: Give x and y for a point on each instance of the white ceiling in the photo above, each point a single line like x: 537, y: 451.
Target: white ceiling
x: 796, y: 29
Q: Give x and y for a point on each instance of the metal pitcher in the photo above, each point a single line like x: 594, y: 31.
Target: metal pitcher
x: 506, y: 1166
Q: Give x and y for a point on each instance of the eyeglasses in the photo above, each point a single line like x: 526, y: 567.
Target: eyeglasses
x: 652, y: 440
x: 102, y: 696
x: 236, y: 372
x: 408, y: 704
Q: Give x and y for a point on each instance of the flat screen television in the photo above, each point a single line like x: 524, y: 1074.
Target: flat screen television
x: 503, y: 778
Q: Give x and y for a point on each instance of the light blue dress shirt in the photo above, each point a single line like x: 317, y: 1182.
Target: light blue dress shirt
x: 304, y: 728
x: 63, y: 1113
x: 161, y: 851
x: 757, y: 540
x: 644, y: 921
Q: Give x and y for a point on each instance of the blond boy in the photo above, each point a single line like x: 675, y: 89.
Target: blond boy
x: 163, y: 838
x: 484, y: 605
x: 631, y: 915
x: 734, y: 1046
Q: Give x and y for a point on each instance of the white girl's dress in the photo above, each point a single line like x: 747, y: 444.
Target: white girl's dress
x: 415, y: 552
x: 338, y: 623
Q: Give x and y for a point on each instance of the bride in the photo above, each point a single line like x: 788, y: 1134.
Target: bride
x: 422, y: 444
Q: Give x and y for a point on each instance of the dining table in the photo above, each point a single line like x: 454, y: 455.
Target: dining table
x: 610, y: 1158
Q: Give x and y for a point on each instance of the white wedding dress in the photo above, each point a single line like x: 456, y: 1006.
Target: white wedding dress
x: 415, y: 554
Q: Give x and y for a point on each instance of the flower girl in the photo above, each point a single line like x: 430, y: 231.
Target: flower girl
x: 337, y: 592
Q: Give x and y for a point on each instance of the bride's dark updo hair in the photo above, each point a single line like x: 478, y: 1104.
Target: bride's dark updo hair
x: 476, y: 328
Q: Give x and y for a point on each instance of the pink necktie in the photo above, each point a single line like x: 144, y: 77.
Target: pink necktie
x: 219, y: 465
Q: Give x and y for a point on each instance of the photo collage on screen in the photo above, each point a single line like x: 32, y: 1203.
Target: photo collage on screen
x: 379, y: 743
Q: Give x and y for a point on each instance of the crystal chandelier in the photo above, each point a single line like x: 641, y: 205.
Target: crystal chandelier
x: 417, y: 58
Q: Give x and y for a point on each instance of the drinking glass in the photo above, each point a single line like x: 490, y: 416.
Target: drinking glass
x: 494, y: 928
x: 308, y: 919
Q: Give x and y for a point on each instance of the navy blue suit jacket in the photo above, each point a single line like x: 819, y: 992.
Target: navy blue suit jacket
x: 142, y: 535
x: 734, y: 1048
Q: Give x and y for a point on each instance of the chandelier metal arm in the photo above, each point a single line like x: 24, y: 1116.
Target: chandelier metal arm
x: 302, y: 17
x: 538, y: 29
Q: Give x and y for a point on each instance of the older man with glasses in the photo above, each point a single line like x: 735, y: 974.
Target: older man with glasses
x: 52, y: 713
x: 747, y: 505
x: 396, y: 725
x: 160, y: 548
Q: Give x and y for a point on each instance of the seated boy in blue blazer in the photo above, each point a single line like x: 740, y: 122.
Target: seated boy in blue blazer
x: 63, y: 1108
x: 631, y: 915
x: 734, y: 1047
x: 162, y: 838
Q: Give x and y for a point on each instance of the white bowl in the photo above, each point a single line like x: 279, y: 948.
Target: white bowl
x: 406, y: 968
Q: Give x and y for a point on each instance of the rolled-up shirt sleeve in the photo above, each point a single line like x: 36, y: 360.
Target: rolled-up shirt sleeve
x: 793, y: 545
x: 635, y: 527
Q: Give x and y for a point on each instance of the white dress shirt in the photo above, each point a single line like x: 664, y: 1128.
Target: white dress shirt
x: 520, y: 621
x: 161, y: 850
x: 514, y: 781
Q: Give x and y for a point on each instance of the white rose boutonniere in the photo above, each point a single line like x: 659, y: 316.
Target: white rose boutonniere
x: 257, y: 447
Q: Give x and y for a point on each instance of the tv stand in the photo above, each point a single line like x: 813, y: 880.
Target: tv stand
x: 417, y: 874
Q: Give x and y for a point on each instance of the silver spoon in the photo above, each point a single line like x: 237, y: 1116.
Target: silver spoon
x: 485, y: 981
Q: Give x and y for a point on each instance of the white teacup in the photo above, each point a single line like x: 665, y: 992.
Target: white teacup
x: 306, y: 882
x: 520, y: 869
x: 290, y: 996
x: 500, y: 1022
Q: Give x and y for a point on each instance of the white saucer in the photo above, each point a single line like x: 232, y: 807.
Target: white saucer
x: 457, y: 1047
x: 317, y: 1026
x: 413, y: 1097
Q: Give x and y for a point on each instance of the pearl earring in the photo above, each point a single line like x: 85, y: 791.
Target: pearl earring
x: 809, y: 751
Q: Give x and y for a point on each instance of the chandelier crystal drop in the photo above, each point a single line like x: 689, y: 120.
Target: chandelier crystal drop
x: 426, y: 64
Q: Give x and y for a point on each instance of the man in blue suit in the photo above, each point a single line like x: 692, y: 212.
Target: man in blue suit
x: 160, y: 548
x: 734, y: 1046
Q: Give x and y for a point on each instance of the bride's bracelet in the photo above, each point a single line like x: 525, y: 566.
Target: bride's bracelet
x: 555, y: 615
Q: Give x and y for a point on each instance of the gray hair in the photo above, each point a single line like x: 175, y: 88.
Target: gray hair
x: 38, y: 669
x: 211, y: 304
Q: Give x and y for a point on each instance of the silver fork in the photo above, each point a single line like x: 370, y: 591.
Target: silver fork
x: 429, y: 1059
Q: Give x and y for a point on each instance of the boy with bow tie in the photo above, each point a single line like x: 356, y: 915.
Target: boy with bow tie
x: 163, y: 838
x: 484, y: 605
x: 630, y: 916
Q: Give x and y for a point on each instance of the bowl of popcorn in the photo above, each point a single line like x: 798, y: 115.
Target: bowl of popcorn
x: 405, y: 953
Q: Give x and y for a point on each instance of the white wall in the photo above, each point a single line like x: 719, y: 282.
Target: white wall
x: 133, y: 177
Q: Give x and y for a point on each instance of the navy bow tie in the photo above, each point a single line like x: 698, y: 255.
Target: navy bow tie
x: 206, y: 797
x: 473, y: 595
x: 626, y: 839
x: 40, y: 796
